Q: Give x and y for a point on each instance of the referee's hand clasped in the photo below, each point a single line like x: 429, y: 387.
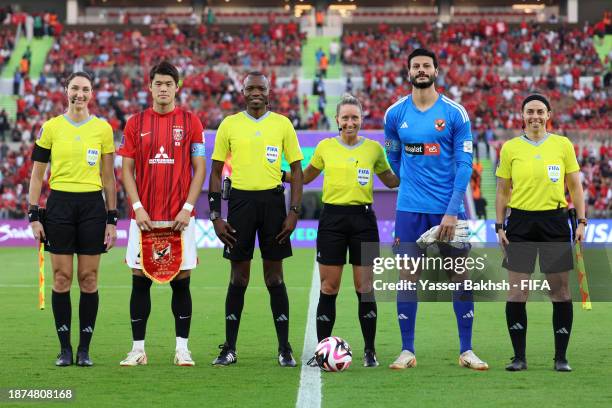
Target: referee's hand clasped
x: 225, y: 232
x: 181, y: 221
x: 110, y: 236
x: 143, y: 220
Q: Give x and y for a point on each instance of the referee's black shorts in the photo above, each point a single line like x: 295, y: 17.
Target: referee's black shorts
x: 257, y: 212
x: 75, y: 223
x: 343, y: 227
x: 543, y: 232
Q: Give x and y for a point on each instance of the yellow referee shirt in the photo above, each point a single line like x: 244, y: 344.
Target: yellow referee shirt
x: 76, y: 150
x: 256, y: 147
x: 537, y: 171
x: 349, y: 169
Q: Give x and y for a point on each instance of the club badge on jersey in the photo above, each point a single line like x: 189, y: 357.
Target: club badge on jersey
x: 161, y: 254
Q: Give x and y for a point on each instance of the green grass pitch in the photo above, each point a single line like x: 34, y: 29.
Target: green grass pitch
x: 29, y: 346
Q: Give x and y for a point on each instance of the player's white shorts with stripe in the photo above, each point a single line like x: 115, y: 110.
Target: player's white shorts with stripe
x: 190, y: 255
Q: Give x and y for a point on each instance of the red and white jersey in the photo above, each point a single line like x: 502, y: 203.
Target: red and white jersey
x: 161, y: 148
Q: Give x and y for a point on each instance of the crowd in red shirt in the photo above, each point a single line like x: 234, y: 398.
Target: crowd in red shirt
x: 476, y: 62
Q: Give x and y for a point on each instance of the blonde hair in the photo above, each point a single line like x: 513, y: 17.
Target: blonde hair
x: 348, y: 99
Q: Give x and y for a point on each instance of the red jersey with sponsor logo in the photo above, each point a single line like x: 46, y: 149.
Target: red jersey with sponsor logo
x: 161, y: 148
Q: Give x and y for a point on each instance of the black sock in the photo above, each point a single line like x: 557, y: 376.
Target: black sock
x: 181, y: 306
x: 279, y: 303
x: 88, y: 311
x: 140, y: 306
x: 516, y: 318
x: 233, y: 310
x: 368, y: 312
x: 62, y: 312
x: 563, y: 316
x: 326, y: 315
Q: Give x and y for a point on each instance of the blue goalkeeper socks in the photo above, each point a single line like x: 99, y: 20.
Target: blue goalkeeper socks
x: 463, y: 304
x: 406, y: 316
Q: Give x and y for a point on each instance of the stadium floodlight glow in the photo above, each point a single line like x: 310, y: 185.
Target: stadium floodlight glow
x: 528, y: 8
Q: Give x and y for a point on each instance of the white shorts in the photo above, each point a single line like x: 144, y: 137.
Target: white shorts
x: 190, y: 254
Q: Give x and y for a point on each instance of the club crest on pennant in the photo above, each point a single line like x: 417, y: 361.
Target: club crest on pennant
x: 161, y: 254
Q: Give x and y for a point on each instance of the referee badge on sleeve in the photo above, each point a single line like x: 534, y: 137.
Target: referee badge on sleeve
x: 363, y: 176
x: 92, y: 156
x: 554, y: 172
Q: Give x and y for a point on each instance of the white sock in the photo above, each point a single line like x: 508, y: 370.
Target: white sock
x: 138, y: 345
x: 181, y: 343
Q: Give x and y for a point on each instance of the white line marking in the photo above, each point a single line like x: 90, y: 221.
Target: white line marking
x: 309, y: 393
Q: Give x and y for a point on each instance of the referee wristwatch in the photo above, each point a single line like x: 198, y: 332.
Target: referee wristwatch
x: 583, y: 221
x: 499, y: 226
x: 214, y: 215
x: 295, y: 208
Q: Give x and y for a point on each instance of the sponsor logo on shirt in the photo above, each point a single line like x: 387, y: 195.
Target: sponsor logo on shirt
x: 554, y: 172
x: 363, y: 176
x: 439, y: 124
x: 92, y: 156
x: 422, y: 149
x: 161, y: 157
x: 271, y: 153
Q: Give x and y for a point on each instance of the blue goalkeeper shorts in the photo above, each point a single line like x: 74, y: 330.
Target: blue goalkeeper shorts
x: 409, y: 226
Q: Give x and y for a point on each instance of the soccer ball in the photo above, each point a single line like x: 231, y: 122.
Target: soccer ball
x: 333, y: 354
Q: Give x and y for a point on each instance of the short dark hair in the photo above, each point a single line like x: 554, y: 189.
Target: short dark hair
x: 422, y: 52
x: 78, y: 74
x: 256, y: 74
x: 164, y: 68
x: 535, y: 97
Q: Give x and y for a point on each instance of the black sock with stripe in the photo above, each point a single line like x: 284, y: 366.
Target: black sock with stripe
x: 563, y: 317
x: 234, y: 302
x: 368, y: 312
x: 516, y: 318
x: 88, y: 311
x: 279, y: 303
x: 62, y: 313
x: 326, y: 315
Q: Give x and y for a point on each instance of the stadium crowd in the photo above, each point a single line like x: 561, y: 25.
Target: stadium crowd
x: 477, y: 63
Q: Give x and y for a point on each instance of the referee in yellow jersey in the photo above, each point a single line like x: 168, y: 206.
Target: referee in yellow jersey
x: 78, y: 220
x: 533, y: 171
x: 348, y: 221
x: 256, y: 139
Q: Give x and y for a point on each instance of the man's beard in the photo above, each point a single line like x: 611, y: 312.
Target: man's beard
x: 422, y: 85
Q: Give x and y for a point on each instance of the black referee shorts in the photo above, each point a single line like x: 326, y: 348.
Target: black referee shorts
x: 257, y: 212
x: 343, y: 227
x: 543, y: 232
x: 75, y: 223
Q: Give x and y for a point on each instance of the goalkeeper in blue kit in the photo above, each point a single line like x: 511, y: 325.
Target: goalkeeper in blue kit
x: 429, y: 146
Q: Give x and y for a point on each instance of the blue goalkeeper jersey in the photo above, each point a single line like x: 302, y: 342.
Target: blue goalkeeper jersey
x: 431, y: 152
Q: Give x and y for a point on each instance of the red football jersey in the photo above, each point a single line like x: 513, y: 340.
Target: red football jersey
x: 161, y: 148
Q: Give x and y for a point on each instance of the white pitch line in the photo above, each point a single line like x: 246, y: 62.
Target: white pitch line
x: 309, y: 393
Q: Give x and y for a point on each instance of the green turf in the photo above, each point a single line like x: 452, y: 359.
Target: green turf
x: 29, y: 345
x: 309, y: 60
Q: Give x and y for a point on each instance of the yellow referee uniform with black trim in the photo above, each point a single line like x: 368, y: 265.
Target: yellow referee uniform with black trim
x: 538, y: 218
x: 254, y: 148
x: 75, y: 210
x: 347, y: 219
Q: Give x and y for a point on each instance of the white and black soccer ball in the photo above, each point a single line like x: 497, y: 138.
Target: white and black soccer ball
x: 333, y: 354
